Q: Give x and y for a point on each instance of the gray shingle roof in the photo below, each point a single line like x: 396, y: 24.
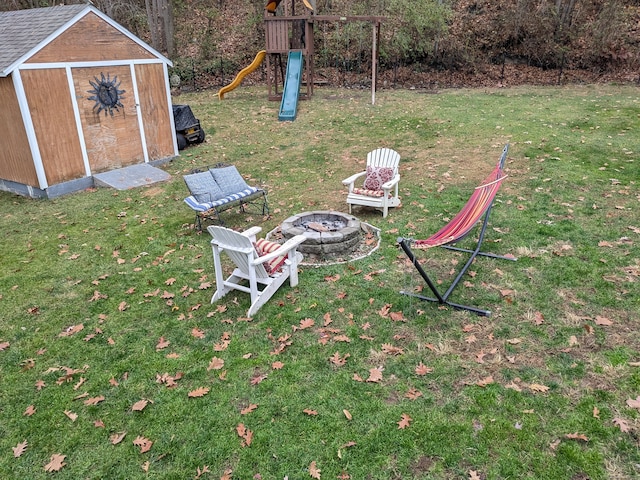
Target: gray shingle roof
x: 22, y: 31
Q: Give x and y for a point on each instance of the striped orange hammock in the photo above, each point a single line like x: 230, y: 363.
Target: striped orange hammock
x: 474, y: 209
x: 477, y: 207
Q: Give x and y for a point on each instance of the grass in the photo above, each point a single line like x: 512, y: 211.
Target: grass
x: 538, y: 390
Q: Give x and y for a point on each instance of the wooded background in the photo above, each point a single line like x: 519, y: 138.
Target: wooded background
x: 209, y: 40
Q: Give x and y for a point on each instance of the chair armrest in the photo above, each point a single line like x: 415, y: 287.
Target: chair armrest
x: 284, y: 249
x: 351, y: 180
x: 391, y: 183
x: 252, y: 232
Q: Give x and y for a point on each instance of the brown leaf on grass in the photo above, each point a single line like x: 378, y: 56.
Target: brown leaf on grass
x: 390, y: 349
x: 310, y: 412
x: 140, y: 405
x: 622, y: 424
x: 347, y: 414
x: 413, y: 394
x: 576, y: 436
x: 422, y: 369
x: 485, y: 381
x: 604, y: 321
x: 341, y: 338
x: 405, y: 421
x: 122, y: 306
x: 204, y: 470
x: 198, y: 392
x: 277, y: 365
x: 375, y: 374
x: 56, y: 462
x: 248, y: 409
x: 245, y: 434
x: 226, y: 475
x: 314, y: 471
x: 333, y: 278
x: 72, y: 416
x: 162, y: 344
x: 538, y: 318
x: 336, y: 359
x: 73, y: 329
x: 98, y: 424
x: 40, y: 385
x: 536, y: 387
x: 116, y: 438
x: 29, y: 411
x: 357, y: 378
x: 384, y: 311
x: 4, y: 346
x: 19, y: 449
x: 634, y: 403
x: 197, y: 333
x: 258, y: 378
x: 144, y: 443
x: 94, y: 400
x: 215, y: 364
x: 306, y: 323
x: 170, y: 281
x: 473, y: 475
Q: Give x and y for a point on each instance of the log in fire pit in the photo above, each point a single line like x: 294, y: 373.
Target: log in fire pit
x: 329, y: 233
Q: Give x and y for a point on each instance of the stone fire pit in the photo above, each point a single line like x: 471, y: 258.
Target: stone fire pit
x: 329, y: 233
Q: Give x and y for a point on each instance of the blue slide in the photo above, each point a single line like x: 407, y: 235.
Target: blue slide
x: 289, y: 104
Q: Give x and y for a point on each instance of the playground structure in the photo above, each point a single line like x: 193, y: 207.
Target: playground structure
x: 292, y: 35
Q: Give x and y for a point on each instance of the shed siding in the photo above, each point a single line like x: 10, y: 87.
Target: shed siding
x: 155, y: 110
x: 88, y: 40
x: 16, y: 162
x: 53, y: 120
x: 111, y: 141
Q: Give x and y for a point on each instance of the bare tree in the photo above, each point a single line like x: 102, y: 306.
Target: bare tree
x: 161, y: 26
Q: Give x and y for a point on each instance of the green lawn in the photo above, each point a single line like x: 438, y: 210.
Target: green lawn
x: 106, y: 323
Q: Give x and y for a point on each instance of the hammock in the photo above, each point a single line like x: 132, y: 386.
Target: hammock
x: 478, y: 205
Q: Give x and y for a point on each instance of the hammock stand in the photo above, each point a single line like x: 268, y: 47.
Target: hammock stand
x: 479, y: 204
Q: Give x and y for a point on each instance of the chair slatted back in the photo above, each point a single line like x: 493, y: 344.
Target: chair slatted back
x: 384, y: 157
x: 239, y: 249
x: 477, y: 206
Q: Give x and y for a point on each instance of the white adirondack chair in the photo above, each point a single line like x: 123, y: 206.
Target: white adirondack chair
x: 252, y: 268
x: 380, y: 186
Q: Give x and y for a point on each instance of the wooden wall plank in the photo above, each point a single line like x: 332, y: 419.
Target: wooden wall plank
x: 16, y: 163
x: 111, y: 141
x: 90, y: 39
x: 154, y: 107
x: 49, y: 100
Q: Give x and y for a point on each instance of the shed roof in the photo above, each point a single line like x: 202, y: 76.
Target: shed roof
x: 24, y: 32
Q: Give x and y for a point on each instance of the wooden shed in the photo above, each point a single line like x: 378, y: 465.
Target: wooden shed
x: 80, y: 95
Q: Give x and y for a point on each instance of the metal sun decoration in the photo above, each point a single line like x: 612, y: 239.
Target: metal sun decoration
x: 106, y: 94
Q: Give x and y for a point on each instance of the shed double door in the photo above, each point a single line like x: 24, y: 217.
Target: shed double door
x: 111, y: 135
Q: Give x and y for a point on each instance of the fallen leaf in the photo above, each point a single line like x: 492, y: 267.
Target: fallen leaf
x: 314, y: 471
x: 347, y: 414
x: 404, y: 422
x: 250, y: 408
x: 56, y: 462
x: 198, y: 392
x: 19, y: 449
x: 116, y: 438
x: 277, y: 365
x: 162, y: 343
x: 422, y: 369
x: 634, y: 403
x: 72, y: 416
x: 144, y: 443
x: 603, y: 321
x: 139, y: 405
x: 375, y: 374
x: 577, y: 436
x: 536, y: 387
x: 310, y: 412
x: 215, y: 364
x: 622, y: 424
x: 94, y: 400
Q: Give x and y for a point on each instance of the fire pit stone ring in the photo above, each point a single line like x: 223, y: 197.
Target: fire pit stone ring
x: 328, y: 232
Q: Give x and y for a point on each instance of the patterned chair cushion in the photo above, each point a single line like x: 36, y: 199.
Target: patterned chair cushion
x: 263, y: 247
x: 369, y: 193
x: 376, y: 176
x: 229, y: 179
x: 203, y: 187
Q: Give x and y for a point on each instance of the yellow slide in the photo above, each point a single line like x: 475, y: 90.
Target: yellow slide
x: 243, y: 73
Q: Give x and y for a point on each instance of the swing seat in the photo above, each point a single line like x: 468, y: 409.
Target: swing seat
x: 478, y: 205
